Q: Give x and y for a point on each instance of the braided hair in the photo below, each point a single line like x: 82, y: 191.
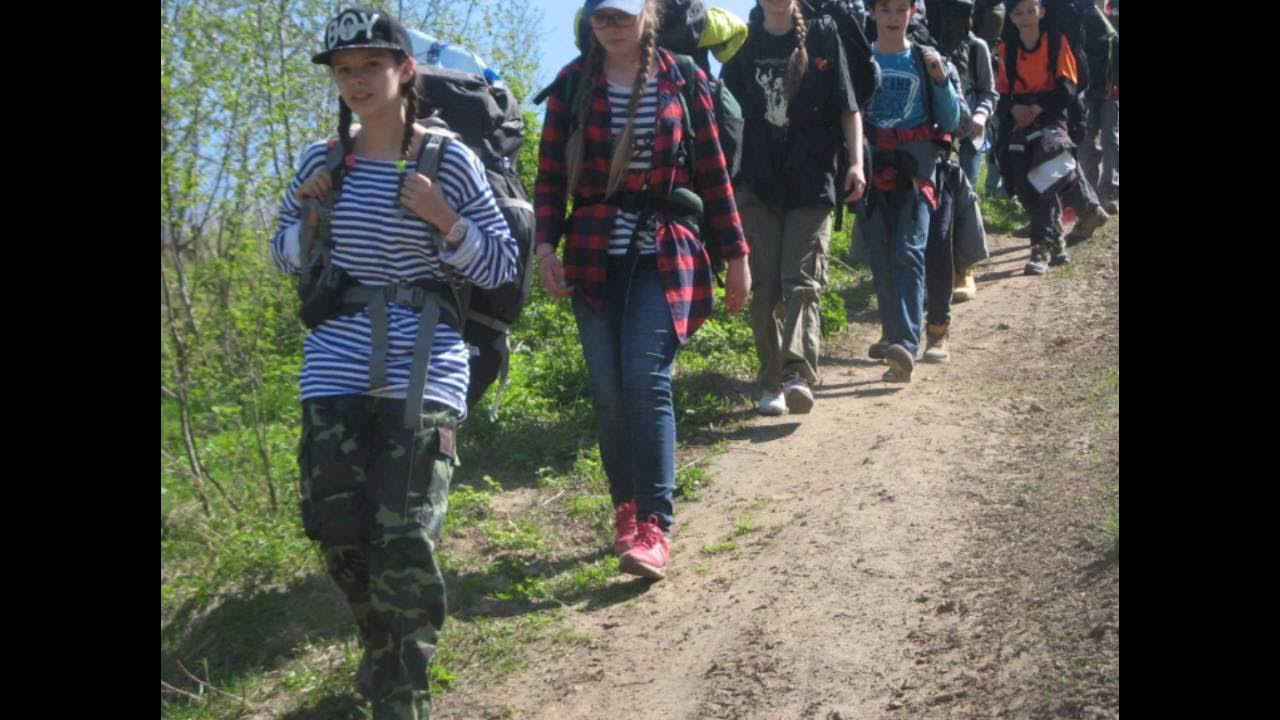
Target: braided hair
x: 799, y: 60
x: 622, y: 149
x: 575, y: 150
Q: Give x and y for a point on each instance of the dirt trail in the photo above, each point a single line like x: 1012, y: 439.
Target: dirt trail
x: 924, y: 550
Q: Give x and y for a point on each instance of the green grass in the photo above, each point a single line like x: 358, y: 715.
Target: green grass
x: 1000, y: 215
x: 745, y: 525
x: 1111, y: 527
x: 720, y: 548
x: 690, y: 482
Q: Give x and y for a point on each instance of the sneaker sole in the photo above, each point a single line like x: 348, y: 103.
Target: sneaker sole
x: 799, y: 403
x: 639, y: 569
x: 773, y: 412
x: 901, y: 369
x: 1029, y: 270
x: 935, y: 358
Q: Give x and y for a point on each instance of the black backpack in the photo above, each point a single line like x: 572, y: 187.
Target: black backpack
x: 488, y: 120
x: 682, y: 24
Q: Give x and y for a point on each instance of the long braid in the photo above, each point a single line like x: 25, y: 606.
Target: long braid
x: 799, y: 60
x: 575, y: 148
x: 410, y: 92
x: 622, y: 149
x: 344, y: 137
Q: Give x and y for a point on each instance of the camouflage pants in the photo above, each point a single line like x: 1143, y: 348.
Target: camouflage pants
x: 374, y: 496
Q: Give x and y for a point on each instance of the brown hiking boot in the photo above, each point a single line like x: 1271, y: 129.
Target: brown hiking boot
x: 1087, y: 225
x: 965, y: 288
x: 935, y: 350
x: 878, y: 349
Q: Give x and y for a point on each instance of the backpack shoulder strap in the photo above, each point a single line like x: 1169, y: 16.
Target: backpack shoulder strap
x: 688, y: 98
x: 430, y: 158
x: 917, y: 54
x: 333, y: 163
x: 688, y: 69
x: 317, y: 213
x: 1055, y: 47
x: 562, y: 87
x: 431, y: 154
x: 1011, y: 62
x: 333, y: 156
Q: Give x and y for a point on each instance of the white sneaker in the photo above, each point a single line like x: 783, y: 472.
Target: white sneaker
x: 771, y: 404
x: 799, y: 396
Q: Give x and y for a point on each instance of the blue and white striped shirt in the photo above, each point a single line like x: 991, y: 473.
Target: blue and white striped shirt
x: 377, y: 246
x: 624, y: 223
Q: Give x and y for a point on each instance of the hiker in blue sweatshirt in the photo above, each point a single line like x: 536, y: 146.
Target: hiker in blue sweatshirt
x: 908, y: 125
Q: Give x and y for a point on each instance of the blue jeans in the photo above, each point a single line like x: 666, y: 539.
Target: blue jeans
x: 630, y: 347
x: 897, y: 268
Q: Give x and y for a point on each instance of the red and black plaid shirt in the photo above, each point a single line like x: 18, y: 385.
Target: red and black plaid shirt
x: 682, y: 259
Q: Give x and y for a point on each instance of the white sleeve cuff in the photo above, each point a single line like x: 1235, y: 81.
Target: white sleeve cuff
x: 292, y: 249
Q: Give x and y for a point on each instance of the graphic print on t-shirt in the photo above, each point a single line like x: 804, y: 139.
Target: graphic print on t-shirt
x: 771, y: 74
x: 898, y: 95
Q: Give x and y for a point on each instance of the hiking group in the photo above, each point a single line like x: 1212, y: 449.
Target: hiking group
x: 414, y: 242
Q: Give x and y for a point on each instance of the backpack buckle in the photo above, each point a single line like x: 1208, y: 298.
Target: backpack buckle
x: 410, y: 295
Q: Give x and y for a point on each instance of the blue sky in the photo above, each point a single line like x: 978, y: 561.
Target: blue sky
x: 556, y: 42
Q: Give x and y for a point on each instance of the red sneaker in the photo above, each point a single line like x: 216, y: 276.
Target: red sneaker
x: 624, y: 527
x: 648, y: 556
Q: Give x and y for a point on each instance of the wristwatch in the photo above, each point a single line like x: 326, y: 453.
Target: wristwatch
x: 457, y: 233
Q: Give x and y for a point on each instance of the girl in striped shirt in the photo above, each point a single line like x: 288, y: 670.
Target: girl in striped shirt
x: 375, y: 472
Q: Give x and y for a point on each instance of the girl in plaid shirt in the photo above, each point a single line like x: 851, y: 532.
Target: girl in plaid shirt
x: 634, y: 262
